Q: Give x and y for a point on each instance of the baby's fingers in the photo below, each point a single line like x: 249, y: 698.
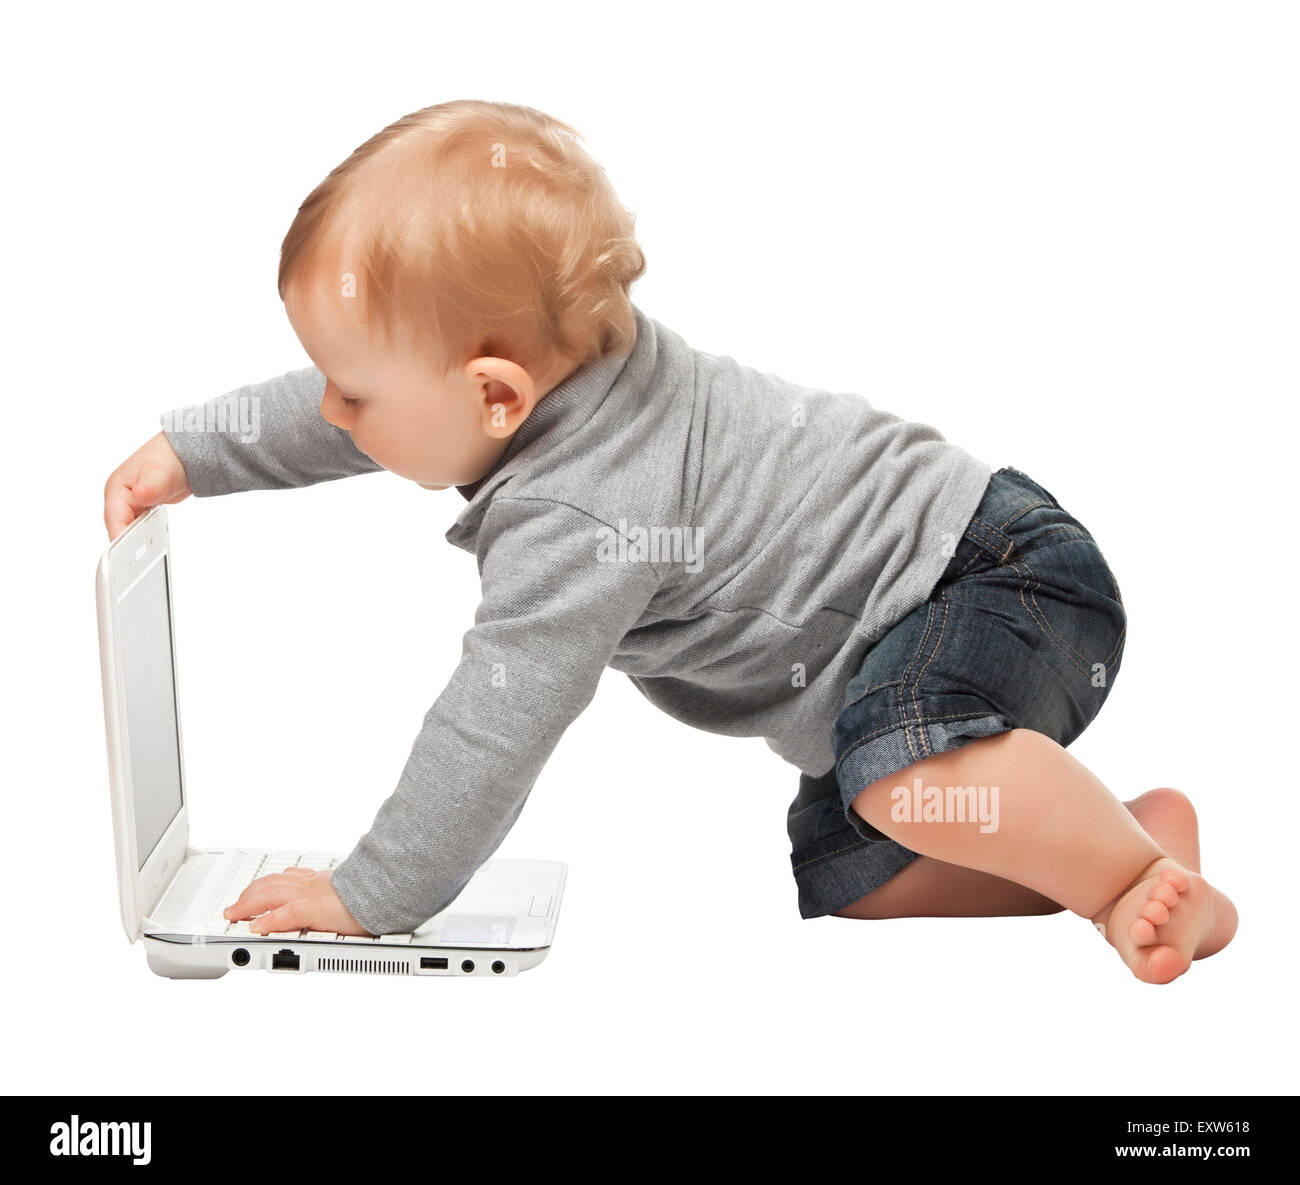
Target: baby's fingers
x: 294, y: 916
x: 150, y: 476
x: 119, y: 510
x: 267, y: 892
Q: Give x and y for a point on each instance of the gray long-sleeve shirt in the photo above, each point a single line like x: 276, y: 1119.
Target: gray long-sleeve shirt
x: 731, y: 541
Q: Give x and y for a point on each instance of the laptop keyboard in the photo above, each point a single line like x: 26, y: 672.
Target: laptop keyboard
x: 259, y: 864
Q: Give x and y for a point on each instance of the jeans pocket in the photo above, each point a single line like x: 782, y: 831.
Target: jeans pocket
x: 1067, y: 592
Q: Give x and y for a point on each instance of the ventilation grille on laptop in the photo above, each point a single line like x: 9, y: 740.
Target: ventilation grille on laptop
x: 367, y: 966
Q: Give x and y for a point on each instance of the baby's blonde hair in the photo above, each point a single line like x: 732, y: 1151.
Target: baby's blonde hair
x: 485, y: 228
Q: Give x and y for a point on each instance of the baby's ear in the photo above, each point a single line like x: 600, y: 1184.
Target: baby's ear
x: 506, y: 394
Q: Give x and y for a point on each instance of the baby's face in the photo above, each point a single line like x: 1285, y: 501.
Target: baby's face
x: 435, y: 431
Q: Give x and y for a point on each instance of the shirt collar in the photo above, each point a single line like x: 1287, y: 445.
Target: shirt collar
x: 567, y: 405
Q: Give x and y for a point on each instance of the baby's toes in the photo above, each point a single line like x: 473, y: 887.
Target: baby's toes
x: 1164, y: 893
x: 1175, y: 878
x: 1155, y: 912
x: 1163, y: 964
x: 1142, y: 932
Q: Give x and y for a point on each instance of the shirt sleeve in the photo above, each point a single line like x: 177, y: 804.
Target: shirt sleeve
x: 555, y: 606
x: 266, y: 436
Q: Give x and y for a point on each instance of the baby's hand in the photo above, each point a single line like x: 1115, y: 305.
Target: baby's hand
x: 150, y: 476
x: 295, y: 899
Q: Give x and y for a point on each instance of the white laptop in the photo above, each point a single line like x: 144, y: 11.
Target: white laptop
x: 173, y: 895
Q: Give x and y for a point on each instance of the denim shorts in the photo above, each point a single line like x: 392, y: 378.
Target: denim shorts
x: 1024, y: 629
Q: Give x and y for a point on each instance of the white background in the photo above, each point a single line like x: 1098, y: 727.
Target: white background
x: 1064, y: 234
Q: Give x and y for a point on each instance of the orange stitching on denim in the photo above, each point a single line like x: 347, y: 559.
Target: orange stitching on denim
x: 1033, y: 616
x: 943, y: 627
x: 902, y: 703
x: 1118, y: 643
x: 979, y: 552
x: 1078, y: 532
x: 1105, y: 662
x: 968, y: 563
x: 838, y: 851
x: 1023, y: 511
x: 871, y: 690
x: 857, y: 744
x: 1010, y: 550
x: 1083, y: 666
x: 868, y: 688
x: 1007, y: 544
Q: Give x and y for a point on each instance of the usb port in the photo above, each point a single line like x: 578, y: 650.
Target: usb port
x: 433, y: 964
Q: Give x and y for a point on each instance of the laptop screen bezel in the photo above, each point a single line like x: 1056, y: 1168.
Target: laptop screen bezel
x: 129, y: 559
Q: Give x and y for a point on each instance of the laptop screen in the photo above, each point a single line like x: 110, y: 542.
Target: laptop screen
x: 145, y: 646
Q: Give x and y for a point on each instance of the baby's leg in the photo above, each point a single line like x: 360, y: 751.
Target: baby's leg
x: 1062, y: 834
x: 930, y: 888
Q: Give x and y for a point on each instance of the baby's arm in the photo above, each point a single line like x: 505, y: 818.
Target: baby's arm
x: 551, y: 617
x: 265, y: 436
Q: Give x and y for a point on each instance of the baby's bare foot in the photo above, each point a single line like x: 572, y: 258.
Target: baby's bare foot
x: 1168, y: 917
x: 1168, y: 817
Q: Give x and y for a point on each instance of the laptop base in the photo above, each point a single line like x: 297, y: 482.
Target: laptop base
x: 195, y: 957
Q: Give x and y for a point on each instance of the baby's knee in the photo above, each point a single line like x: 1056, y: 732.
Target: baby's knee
x: 1027, y: 740
x: 1021, y: 748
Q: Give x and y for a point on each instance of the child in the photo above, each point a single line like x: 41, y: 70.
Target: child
x: 920, y: 636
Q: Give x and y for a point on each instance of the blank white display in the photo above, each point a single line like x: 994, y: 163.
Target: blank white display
x: 144, y: 632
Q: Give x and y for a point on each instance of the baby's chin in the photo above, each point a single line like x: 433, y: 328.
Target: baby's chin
x: 424, y: 485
